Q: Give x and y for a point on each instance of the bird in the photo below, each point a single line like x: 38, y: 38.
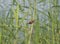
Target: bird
x: 31, y: 22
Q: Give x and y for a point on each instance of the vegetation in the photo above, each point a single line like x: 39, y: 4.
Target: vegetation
x: 30, y: 22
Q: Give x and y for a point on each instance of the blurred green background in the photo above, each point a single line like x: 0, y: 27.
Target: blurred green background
x: 29, y: 21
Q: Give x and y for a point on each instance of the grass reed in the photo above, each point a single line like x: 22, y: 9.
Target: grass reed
x: 43, y: 30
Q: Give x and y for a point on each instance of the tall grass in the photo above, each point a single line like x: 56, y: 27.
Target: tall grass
x: 15, y: 27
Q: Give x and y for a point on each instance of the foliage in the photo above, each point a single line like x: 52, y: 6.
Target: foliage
x: 45, y: 28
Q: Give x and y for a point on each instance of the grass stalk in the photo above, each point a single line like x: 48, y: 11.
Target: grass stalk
x: 16, y: 20
x: 0, y: 37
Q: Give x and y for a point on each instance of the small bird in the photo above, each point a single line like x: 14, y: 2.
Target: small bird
x: 30, y: 22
